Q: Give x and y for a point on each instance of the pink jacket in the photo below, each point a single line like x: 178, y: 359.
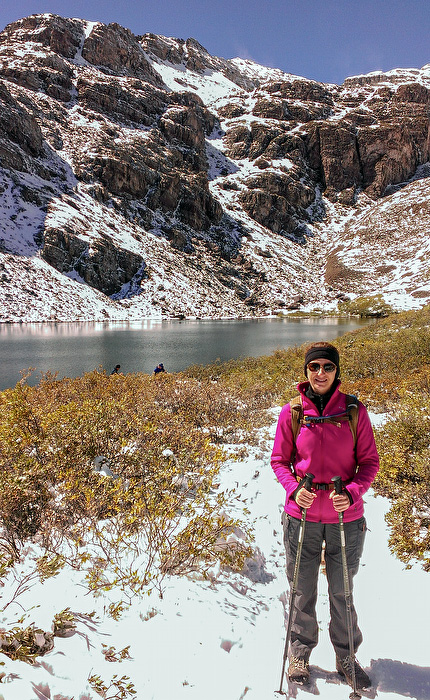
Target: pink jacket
x: 325, y: 450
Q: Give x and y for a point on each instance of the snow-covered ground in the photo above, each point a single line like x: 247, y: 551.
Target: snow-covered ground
x: 224, y: 638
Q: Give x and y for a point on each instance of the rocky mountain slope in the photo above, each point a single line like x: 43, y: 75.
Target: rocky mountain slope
x: 141, y: 176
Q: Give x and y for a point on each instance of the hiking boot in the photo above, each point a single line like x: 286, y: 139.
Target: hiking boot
x: 298, y: 670
x: 344, y: 667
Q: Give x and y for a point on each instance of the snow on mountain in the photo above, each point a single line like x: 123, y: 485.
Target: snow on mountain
x: 143, y: 177
x: 396, y: 244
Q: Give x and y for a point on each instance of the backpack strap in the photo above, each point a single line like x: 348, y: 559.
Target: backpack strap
x: 298, y: 418
x: 352, y: 411
x: 296, y: 407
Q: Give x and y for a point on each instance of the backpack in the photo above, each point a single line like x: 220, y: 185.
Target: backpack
x: 351, y: 414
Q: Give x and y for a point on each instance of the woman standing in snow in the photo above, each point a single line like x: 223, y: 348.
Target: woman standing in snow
x: 324, y: 446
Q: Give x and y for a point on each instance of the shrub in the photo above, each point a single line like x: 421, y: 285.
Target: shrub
x: 24, y: 644
x: 162, y: 440
x: 404, y: 477
x: 118, y: 688
x: 365, y: 307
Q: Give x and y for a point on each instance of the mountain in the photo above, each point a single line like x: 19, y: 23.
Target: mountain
x: 140, y: 176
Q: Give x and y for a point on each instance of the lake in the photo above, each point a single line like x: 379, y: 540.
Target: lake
x: 70, y: 349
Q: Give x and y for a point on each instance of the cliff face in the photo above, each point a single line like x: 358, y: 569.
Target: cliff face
x: 142, y: 176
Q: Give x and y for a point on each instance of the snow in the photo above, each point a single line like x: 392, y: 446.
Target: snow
x: 224, y: 638
x: 395, y: 246
x: 21, y: 219
x: 209, y: 85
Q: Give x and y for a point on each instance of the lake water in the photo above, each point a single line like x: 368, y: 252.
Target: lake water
x: 74, y: 348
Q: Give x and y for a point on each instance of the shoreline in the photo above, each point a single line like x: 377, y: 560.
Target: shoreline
x: 160, y: 319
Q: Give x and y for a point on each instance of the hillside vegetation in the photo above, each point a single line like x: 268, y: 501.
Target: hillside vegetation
x: 162, y: 442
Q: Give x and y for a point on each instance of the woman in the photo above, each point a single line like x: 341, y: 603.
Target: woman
x: 325, y: 449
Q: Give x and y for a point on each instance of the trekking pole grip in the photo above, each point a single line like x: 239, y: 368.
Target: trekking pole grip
x: 338, y: 486
x: 308, y: 481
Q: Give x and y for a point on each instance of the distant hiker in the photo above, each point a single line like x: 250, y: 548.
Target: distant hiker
x: 116, y: 370
x: 319, y: 441
x: 159, y: 368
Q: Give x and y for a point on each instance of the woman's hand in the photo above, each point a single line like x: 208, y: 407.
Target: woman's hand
x: 341, y: 501
x: 305, y: 498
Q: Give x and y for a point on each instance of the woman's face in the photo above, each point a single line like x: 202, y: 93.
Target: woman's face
x: 320, y: 380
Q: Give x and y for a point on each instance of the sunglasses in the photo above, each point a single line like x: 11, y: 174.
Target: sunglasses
x: 315, y: 367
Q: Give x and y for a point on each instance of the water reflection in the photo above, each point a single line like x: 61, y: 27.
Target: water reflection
x: 70, y: 349
x: 70, y: 329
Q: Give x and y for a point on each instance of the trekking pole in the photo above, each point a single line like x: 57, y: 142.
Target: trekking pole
x: 338, y: 486
x: 307, y: 483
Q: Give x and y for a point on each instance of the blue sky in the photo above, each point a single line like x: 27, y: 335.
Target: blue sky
x: 326, y: 40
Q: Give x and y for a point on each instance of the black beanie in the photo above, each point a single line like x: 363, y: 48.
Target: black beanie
x: 328, y: 352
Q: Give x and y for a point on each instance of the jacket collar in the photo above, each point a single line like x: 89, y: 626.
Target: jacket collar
x: 320, y: 401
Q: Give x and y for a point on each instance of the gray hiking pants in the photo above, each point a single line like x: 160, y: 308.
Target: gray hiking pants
x: 304, y: 631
